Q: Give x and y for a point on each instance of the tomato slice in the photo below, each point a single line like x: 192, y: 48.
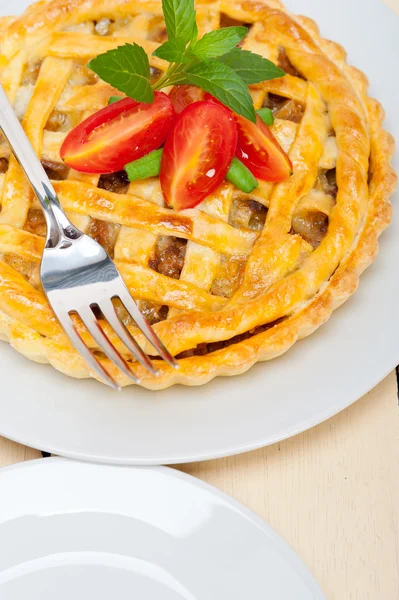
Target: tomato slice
x: 183, y: 95
x: 119, y: 133
x: 197, y: 154
x: 259, y: 150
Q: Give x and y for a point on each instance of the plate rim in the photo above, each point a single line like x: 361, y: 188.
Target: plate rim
x: 227, y: 452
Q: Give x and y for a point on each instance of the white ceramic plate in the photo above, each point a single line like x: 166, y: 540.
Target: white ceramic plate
x: 319, y: 377
x: 76, y: 530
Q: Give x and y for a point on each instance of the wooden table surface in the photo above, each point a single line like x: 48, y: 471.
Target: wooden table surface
x: 331, y: 492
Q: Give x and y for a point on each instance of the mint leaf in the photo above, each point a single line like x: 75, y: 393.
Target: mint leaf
x: 172, y: 51
x: 180, y: 19
x: 252, y: 68
x: 127, y: 69
x: 216, y: 43
x: 223, y: 83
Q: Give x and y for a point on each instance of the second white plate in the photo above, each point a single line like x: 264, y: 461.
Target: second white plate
x: 75, y: 530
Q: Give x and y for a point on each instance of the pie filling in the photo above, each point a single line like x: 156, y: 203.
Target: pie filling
x: 312, y: 224
x: 284, y: 108
x: 55, y: 170
x: 247, y: 213
x: 154, y: 313
x: 229, y: 277
x: 104, y: 27
x: 203, y: 349
x: 311, y: 228
x: 168, y: 257
x: 328, y: 182
x: 285, y: 64
x: 104, y: 233
x: 156, y: 74
x: 157, y: 30
x: 3, y: 165
x: 114, y: 182
x: 227, y: 21
x: 31, y: 72
x: 59, y: 121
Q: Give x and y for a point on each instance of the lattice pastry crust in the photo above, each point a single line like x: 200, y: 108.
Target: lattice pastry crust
x: 239, y: 279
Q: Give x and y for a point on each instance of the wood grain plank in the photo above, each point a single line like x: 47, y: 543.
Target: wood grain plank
x: 11, y: 453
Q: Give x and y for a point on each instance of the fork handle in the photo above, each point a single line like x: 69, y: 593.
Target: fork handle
x: 58, y: 225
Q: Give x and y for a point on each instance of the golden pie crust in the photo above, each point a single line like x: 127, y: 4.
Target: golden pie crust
x: 242, y: 277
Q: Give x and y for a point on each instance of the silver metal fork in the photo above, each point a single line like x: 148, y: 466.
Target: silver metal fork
x: 77, y: 274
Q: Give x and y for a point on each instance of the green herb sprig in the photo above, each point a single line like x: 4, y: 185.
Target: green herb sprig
x: 214, y: 62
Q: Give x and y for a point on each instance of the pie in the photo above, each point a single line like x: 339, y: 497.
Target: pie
x: 240, y: 278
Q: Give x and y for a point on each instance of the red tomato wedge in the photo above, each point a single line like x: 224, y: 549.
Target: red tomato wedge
x: 197, y: 154
x: 183, y: 95
x: 119, y: 133
x: 259, y: 150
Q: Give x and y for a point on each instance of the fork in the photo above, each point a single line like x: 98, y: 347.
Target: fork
x: 77, y: 274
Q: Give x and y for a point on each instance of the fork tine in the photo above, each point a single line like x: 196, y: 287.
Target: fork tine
x: 90, y: 321
x: 109, y: 312
x: 85, y: 352
x: 144, y: 327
